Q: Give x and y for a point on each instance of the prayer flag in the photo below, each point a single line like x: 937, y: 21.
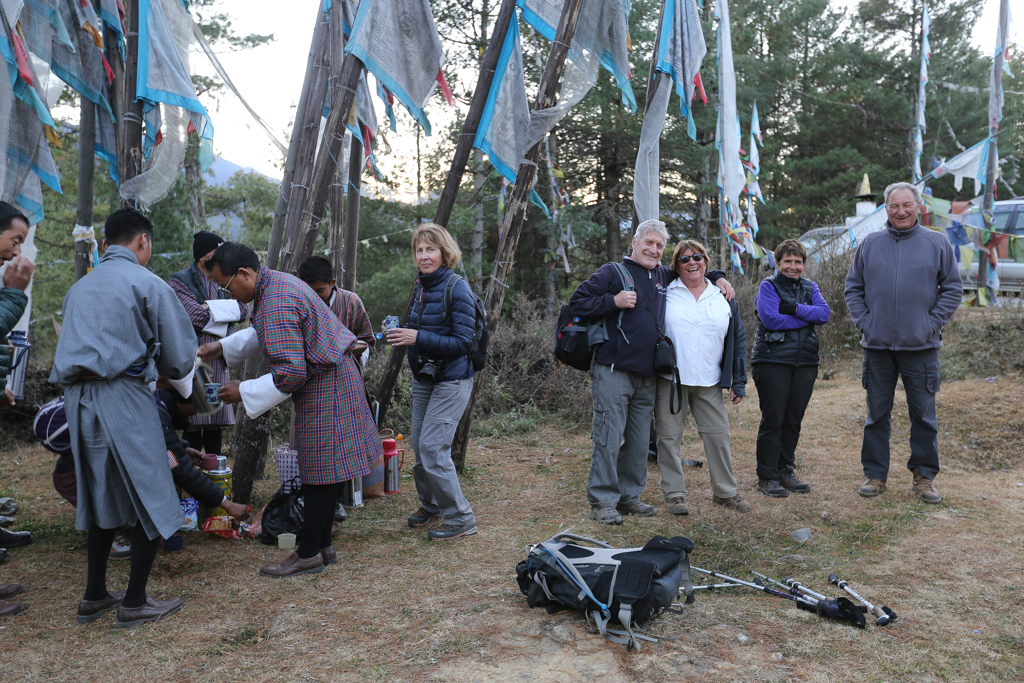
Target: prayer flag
x: 397, y: 40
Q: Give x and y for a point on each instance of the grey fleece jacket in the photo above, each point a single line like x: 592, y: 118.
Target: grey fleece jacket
x: 903, y: 286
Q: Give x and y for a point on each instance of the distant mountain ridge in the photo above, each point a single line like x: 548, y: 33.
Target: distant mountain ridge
x: 221, y: 170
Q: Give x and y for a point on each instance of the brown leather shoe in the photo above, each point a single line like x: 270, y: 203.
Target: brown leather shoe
x: 330, y: 557
x: 9, y: 591
x: 91, y: 610
x: 735, y: 503
x: 9, y: 608
x: 153, y: 610
x: 293, y: 565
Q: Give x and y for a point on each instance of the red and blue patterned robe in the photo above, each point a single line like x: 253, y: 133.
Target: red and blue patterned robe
x: 308, y: 350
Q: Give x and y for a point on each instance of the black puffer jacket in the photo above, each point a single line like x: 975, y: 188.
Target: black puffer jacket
x: 790, y: 347
x: 448, y: 340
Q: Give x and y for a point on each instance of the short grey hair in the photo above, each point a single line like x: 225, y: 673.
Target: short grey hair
x: 903, y: 186
x: 651, y: 224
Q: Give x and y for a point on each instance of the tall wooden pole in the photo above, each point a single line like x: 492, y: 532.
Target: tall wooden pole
x: 451, y: 186
x: 86, y: 181
x: 129, y: 140
x: 281, y: 210
x: 307, y: 150
x: 994, y: 113
x: 516, y: 211
x: 348, y: 276
x: 652, y: 86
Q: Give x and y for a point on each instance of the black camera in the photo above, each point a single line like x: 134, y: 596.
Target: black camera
x: 775, y: 337
x: 429, y: 370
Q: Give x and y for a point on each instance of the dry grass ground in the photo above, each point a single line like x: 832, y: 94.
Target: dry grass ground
x: 398, y: 608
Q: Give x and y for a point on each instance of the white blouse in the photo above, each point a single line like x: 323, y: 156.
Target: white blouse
x: 697, y: 328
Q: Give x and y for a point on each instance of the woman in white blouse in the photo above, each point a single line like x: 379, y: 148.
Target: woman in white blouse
x: 711, y: 354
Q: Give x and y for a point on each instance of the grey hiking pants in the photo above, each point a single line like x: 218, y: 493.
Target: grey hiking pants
x: 623, y: 408
x: 436, y: 411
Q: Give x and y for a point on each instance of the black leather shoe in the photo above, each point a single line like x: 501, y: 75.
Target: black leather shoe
x: 14, y: 539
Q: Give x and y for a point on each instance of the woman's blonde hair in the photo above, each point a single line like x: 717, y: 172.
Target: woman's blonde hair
x: 694, y: 246
x: 436, y: 235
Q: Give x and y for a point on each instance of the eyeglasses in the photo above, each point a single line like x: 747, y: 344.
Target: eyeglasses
x: 225, y: 287
x: 697, y: 258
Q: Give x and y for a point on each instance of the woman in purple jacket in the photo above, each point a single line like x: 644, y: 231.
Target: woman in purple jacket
x: 784, y: 364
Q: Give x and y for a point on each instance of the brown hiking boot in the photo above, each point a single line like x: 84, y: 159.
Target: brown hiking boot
x: 676, y: 505
x: 925, y: 488
x: 735, y: 503
x: 871, y: 487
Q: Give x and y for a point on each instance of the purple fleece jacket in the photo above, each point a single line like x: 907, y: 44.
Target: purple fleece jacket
x: 767, y: 304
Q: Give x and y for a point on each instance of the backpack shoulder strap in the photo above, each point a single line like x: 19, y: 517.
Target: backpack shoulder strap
x: 627, y: 279
x: 448, y: 289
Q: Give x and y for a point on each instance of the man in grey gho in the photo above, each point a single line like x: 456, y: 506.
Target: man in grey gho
x: 123, y: 328
x: 624, y: 385
x: 903, y: 286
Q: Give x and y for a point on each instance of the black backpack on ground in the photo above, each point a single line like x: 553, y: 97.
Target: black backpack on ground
x: 576, y: 340
x: 632, y: 585
x: 481, y: 335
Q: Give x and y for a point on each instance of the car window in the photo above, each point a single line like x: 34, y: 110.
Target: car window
x: 1003, y: 219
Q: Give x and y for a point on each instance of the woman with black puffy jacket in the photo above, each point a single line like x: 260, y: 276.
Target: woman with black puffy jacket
x: 440, y: 340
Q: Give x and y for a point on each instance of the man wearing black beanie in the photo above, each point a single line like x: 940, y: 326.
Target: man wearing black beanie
x: 213, y: 315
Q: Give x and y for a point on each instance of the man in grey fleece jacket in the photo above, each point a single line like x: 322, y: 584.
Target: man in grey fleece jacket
x: 903, y: 286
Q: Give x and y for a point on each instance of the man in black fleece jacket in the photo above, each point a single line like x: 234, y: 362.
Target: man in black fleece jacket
x: 623, y: 371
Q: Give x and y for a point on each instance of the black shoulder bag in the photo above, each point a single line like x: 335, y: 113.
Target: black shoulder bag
x: 665, y: 360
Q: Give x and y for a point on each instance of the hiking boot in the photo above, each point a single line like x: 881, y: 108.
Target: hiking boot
x: 422, y: 518
x: 925, y: 488
x: 771, y: 487
x: 637, y: 508
x: 676, y: 505
x: 605, y: 515
x: 447, y: 532
x: 790, y: 482
x: 871, y: 487
x: 735, y: 503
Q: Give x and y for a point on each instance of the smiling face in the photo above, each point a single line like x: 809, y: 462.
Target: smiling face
x: 12, y: 238
x: 648, y: 248
x: 791, y: 265
x: 693, y: 270
x: 428, y: 257
x: 902, y: 209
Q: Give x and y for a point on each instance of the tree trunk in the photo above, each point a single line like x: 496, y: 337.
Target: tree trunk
x: 476, y: 240
x: 129, y: 147
x: 86, y: 178
x: 703, y: 205
x: 551, y: 149
x: 352, y: 216
x: 194, y: 182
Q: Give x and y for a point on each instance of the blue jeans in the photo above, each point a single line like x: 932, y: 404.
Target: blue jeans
x: 921, y: 375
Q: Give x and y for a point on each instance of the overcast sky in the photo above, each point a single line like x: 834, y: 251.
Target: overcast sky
x: 270, y: 78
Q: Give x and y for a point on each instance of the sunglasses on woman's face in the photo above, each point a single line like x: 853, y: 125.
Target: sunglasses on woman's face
x: 696, y: 258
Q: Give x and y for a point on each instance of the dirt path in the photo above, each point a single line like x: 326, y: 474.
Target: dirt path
x: 398, y: 608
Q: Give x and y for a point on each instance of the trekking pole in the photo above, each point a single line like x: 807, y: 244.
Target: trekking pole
x: 801, y: 601
x: 714, y: 586
x: 825, y: 606
x: 884, y: 614
x: 797, y: 586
